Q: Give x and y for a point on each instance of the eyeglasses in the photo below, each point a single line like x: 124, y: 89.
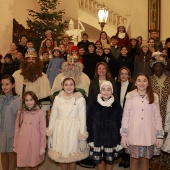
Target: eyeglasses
x: 124, y: 74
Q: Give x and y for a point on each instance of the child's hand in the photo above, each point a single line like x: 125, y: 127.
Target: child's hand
x: 124, y: 142
x: 91, y: 144
x: 159, y: 142
x: 83, y: 145
x: 42, y: 151
x: 50, y: 142
x: 15, y: 150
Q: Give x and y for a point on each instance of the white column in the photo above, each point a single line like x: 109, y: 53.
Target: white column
x: 6, y: 25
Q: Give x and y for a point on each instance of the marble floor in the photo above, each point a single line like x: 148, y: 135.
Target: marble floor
x: 50, y: 165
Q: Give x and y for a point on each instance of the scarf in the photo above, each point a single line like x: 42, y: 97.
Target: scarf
x: 4, y: 101
x: 106, y: 103
x: 121, y: 35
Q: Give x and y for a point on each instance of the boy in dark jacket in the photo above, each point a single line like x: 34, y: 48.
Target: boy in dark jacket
x: 8, y: 67
x: 17, y: 60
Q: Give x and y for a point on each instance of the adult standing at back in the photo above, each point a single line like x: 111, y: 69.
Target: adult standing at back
x: 31, y: 78
x: 102, y: 73
x: 124, y: 85
x: 161, y: 86
x: 72, y: 68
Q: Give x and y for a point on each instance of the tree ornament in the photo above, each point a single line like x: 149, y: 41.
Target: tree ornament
x: 31, y: 27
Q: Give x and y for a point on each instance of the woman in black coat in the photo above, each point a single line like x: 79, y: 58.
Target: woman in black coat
x: 124, y: 85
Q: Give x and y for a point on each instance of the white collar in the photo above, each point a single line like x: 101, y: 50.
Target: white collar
x: 121, y: 35
x: 125, y: 83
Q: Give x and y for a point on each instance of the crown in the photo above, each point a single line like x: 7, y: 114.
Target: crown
x: 73, y: 58
x: 31, y: 54
x: 157, y: 58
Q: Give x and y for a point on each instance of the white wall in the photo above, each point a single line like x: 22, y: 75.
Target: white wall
x: 6, y: 18
x: 165, y: 19
x: 139, y: 14
x: 21, y: 10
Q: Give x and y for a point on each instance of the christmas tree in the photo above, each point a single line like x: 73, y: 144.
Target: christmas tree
x: 47, y: 19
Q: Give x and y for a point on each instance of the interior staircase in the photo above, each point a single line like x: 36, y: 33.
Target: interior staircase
x: 87, y: 13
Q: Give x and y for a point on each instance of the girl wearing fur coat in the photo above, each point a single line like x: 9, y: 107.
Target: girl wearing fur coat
x: 67, y: 127
x: 103, y: 124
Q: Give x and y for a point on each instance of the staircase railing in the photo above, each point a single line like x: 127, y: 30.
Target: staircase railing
x: 91, y: 6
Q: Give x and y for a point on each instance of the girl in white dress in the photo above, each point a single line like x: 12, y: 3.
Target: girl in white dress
x: 67, y: 127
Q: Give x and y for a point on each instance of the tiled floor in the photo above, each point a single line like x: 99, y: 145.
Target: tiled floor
x: 50, y: 165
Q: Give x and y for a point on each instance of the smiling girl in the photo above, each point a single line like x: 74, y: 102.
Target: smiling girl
x: 67, y: 127
x: 10, y: 103
x: 30, y: 137
x: 141, y: 131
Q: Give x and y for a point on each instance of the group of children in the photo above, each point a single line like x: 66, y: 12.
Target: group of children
x: 23, y: 126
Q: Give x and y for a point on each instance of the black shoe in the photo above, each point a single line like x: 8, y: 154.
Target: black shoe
x: 126, y: 164
x: 87, y: 163
x: 121, y: 164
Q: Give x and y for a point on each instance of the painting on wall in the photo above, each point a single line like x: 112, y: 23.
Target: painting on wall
x: 154, y: 15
